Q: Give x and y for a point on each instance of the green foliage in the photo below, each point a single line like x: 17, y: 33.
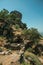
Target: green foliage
x: 32, y: 58
x: 4, y: 14
x: 0, y: 63
x: 14, y: 18
x: 8, y: 19
x: 25, y: 32
x: 25, y: 63
x: 17, y: 26
x: 34, y: 35
x: 23, y: 26
x: 16, y: 14
x: 30, y: 49
x: 1, y: 50
x: 38, y: 49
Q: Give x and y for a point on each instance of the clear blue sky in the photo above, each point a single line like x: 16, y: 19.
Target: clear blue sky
x: 32, y: 11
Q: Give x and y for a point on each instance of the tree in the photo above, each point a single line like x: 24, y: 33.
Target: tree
x: 16, y: 15
x: 34, y: 35
x: 4, y: 14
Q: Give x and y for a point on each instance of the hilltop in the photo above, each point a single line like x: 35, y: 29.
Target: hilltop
x: 16, y: 40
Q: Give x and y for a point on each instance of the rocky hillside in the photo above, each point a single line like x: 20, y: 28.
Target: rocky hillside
x: 16, y: 37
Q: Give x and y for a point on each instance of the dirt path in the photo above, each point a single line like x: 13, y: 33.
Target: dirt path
x: 7, y: 59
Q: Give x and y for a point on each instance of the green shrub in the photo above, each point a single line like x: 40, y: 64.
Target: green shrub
x: 25, y: 63
x: 0, y: 63
x: 17, y: 26
x: 30, y: 49
x: 1, y: 50
x: 32, y: 58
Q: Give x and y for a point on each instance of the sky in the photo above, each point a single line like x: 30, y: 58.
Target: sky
x: 32, y: 11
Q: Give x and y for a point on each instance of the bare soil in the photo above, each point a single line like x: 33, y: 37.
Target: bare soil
x: 7, y: 59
